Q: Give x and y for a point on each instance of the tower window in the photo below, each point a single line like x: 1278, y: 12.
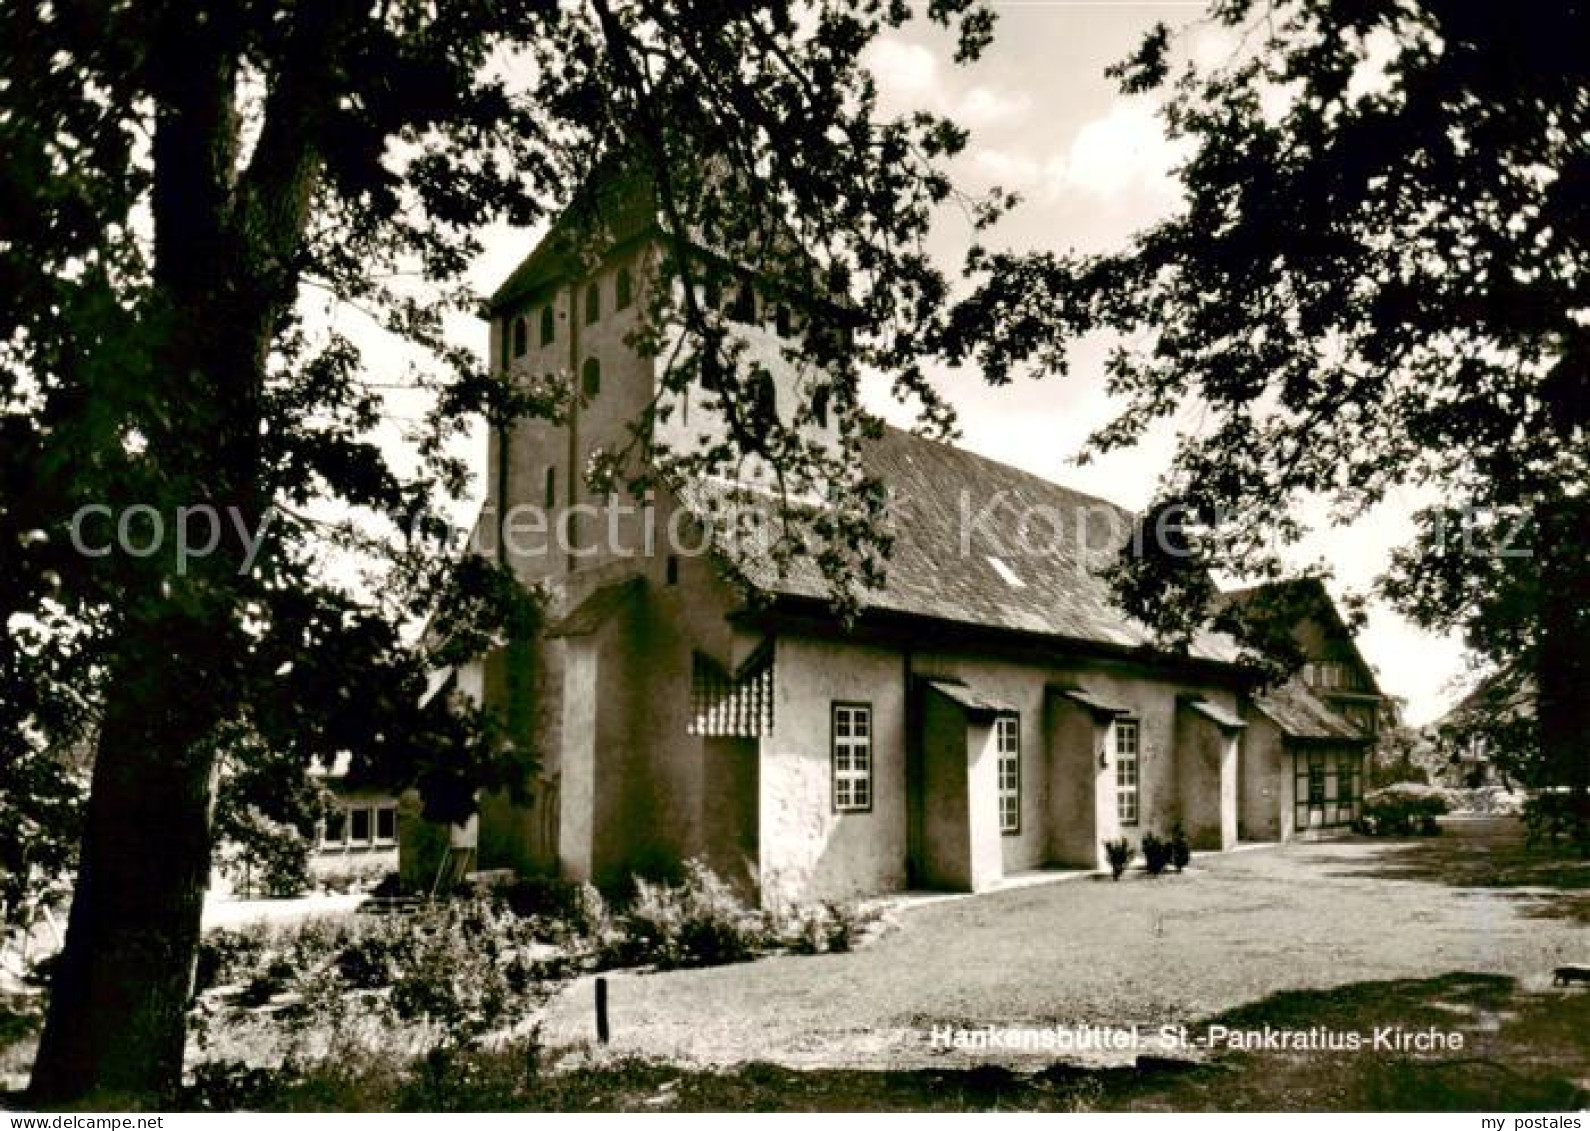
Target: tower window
x: 551, y: 487
x: 623, y: 289
x: 593, y: 303
x: 671, y: 569
x: 521, y: 337
x: 548, y: 325
x: 591, y: 378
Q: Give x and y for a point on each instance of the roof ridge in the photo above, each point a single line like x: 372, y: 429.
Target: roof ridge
x: 1045, y: 481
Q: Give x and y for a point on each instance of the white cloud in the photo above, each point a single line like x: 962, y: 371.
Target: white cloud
x: 981, y: 107
x: 1122, y: 154
x: 1120, y: 160
x: 909, y: 78
x: 907, y: 73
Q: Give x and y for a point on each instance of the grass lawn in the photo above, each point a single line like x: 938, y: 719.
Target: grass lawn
x: 1238, y: 928
x: 1525, y: 1052
x: 1456, y: 934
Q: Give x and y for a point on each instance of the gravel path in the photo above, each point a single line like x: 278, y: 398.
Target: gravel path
x: 1234, y: 929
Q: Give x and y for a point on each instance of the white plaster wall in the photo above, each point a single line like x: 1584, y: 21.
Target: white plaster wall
x: 808, y: 851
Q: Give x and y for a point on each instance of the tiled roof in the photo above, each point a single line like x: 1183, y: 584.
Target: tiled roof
x: 611, y: 212
x: 1096, y: 704
x: 975, y: 702
x: 959, y: 555
x: 1216, y: 714
x: 591, y: 613
x: 1298, y: 597
x: 1301, y: 714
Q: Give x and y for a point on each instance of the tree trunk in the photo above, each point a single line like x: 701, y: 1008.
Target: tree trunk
x: 117, y: 1018
x: 1563, y: 675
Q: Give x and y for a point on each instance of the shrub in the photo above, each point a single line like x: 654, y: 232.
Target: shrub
x: 1551, y: 817
x: 1487, y: 800
x: 1156, y: 853
x: 1119, y: 853
x: 368, y: 963
x: 1405, y: 809
x: 232, y: 1085
x: 266, y: 855
x: 226, y: 955
x: 274, y: 978
x: 1180, y: 847
x: 699, y: 922
x: 558, y: 909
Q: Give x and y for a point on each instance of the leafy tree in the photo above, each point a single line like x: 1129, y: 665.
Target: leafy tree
x: 41, y: 798
x: 1376, y: 279
x: 187, y: 187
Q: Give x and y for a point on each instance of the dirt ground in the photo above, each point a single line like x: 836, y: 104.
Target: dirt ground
x: 1235, y: 929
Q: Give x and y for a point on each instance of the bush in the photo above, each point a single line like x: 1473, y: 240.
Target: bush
x: 1119, y: 853
x: 1551, y: 817
x: 1487, y: 800
x: 558, y: 909
x: 225, y: 956
x: 368, y: 963
x: 1156, y: 853
x: 265, y: 855
x: 828, y: 928
x: 699, y: 922
x: 1180, y: 847
x: 1405, y: 809
x: 232, y: 1085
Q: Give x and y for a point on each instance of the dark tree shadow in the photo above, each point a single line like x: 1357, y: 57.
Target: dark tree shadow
x: 1489, y: 854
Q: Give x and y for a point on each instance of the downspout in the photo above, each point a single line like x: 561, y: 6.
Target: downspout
x: 571, y: 488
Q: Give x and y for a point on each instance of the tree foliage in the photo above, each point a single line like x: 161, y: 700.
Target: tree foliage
x: 198, y: 200
x: 1376, y: 279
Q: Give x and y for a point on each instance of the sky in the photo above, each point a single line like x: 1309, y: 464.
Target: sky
x: 1093, y: 166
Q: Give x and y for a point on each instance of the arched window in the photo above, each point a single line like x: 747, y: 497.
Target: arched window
x: 593, y: 303
x: 521, y: 337
x: 549, y: 326
x: 551, y: 487
x: 623, y: 289
x: 591, y: 378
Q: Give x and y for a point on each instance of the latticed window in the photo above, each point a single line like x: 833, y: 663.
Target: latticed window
x: 1007, y: 742
x: 1346, y: 788
x: 1126, y: 771
x: 852, y: 757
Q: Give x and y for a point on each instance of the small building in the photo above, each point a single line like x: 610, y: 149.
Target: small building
x: 1305, y: 753
x: 988, y: 711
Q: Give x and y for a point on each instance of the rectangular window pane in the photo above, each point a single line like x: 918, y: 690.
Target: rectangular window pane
x: 1126, y: 771
x: 852, y: 757
x: 1007, y: 743
x: 360, y: 820
x: 336, y: 828
x: 386, y: 823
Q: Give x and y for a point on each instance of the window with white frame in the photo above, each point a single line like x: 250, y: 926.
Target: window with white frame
x: 1126, y: 771
x: 1007, y: 744
x: 360, y: 825
x: 852, y: 757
